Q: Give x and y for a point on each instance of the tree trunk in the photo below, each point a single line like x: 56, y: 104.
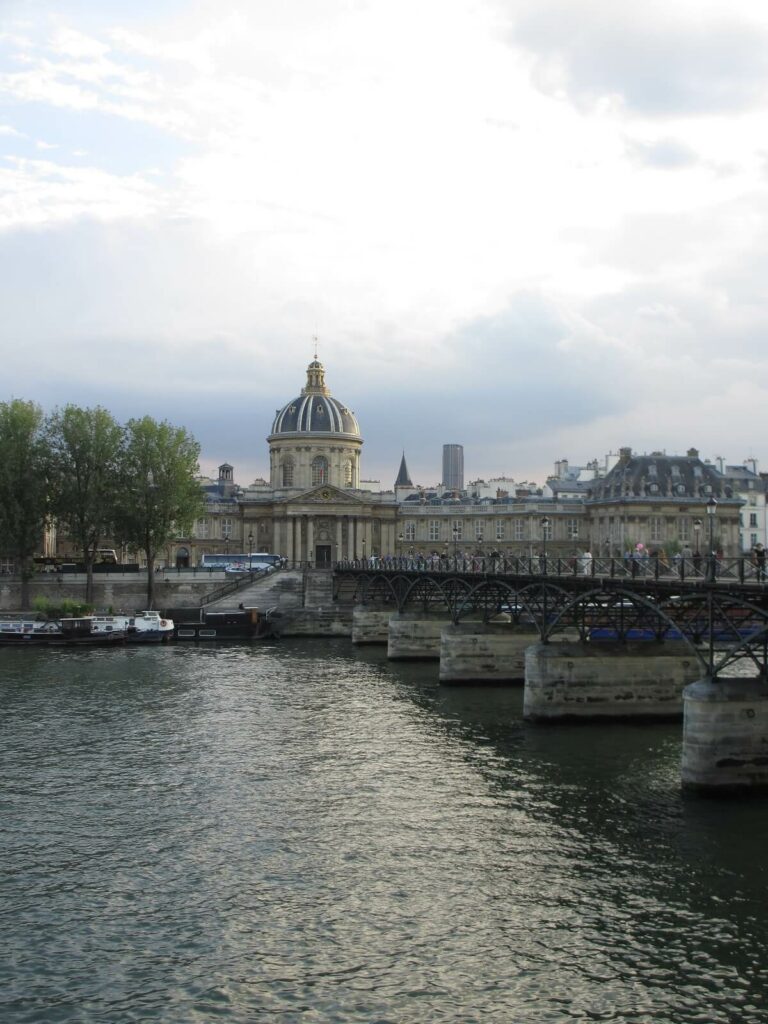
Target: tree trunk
x: 89, y: 579
x: 150, y: 580
x: 26, y: 576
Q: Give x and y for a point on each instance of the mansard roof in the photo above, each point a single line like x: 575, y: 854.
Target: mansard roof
x: 660, y: 476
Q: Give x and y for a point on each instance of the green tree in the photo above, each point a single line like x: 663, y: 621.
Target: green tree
x: 23, y: 485
x: 85, y: 454
x: 159, y: 494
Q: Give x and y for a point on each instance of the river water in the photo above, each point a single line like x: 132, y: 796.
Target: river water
x: 305, y: 832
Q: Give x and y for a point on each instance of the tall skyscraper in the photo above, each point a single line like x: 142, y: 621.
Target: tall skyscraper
x: 453, y: 467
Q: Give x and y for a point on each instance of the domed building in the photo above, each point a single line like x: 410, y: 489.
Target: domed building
x: 315, y: 439
x: 312, y: 510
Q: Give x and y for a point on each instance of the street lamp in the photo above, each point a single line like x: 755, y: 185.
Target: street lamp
x: 250, y: 547
x: 545, y: 524
x: 455, y: 545
x: 480, y: 549
x: 711, y: 513
x: 400, y: 539
x: 363, y: 550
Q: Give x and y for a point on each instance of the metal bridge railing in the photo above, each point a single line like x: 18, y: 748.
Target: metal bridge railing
x: 697, y: 569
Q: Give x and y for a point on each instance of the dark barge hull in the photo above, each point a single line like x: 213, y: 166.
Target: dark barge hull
x: 247, y: 624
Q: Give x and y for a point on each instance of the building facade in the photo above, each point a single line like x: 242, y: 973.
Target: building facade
x: 453, y: 467
x: 313, y: 509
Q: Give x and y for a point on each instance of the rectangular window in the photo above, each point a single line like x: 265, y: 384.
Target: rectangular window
x: 434, y: 529
x: 753, y: 518
x: 520, y: 529
x: 479, y: 529
x: 226, y: 528
x: 684, y: 528
x: 201, y: 528
x: 410, y: 530
x: 501, y: 532
x: 656, y: 526
x: 457, y: 529
x: 752, y: 539
x: 546, y: 530
x: 572, y: 529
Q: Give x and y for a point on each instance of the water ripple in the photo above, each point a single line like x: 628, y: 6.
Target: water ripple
x: 303, y: 833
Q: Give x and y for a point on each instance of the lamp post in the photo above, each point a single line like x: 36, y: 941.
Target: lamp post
x: 545, y: 523
x: 400, y: 539
x: 697, y: 525
x: 455, y: 546
x: 480, y: 551
x: 711, y: 513
x: 363, y: 550
x: 250, y: 548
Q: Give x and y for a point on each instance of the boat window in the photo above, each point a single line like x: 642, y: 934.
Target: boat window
x: 207, y: 632
x: 186, y: 632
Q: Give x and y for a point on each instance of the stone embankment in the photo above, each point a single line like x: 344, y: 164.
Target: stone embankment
x: 302, y: 600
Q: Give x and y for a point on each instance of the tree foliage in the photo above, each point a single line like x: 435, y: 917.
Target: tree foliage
x: 23, y: 483
x: 159, y: 495
x: 85, y: 454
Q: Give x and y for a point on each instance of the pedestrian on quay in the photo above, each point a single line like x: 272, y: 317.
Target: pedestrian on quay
x: 759, y: 552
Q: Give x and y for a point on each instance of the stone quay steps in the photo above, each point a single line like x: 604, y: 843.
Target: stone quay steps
x: 283, y: 588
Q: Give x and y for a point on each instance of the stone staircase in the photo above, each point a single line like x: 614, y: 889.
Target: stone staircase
x: 301, y: 603
x: 284, y: 588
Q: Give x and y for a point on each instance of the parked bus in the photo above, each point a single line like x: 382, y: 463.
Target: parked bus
x: 254, y: 561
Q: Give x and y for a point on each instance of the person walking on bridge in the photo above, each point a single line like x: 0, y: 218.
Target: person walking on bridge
x: 759, y: 553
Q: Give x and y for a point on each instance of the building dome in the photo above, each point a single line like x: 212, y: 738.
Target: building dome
x: 315, y: 411
x: 315, y: 439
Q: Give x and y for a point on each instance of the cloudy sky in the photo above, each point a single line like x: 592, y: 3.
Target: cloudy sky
x: 535, y: 227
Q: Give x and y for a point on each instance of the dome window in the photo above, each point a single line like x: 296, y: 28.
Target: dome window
x: 319, y: 470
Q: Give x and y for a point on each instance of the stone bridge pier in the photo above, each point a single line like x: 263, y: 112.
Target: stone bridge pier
x: 484, y: 652
x: 575, y: 680
x: 725, y: 735
x: 415, y: 635
x: 370, y: 625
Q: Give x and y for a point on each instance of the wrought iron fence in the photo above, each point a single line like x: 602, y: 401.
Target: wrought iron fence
x: 651, y: 567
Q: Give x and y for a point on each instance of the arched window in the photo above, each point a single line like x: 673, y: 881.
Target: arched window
x: 348, y: 473
x: 288, y: 473
x: 319, y: 470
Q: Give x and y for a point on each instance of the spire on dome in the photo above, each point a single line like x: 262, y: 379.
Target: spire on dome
x: 403, y: 477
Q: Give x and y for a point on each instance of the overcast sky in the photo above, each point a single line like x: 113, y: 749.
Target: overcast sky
x: 538, y: 229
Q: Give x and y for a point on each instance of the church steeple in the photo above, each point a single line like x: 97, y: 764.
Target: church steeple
x: 403, y: 477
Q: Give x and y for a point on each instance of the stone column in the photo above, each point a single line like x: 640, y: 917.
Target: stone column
x: 725, y: 736
x: 368, y: 533
x: 350, y: 537
x: 310, y: 540
x: 339, y: 554
x: 289, y: 550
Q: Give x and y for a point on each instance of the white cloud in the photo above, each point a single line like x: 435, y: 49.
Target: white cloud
x: 552, y: 213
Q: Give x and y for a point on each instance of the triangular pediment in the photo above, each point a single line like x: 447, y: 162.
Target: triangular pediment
x: 325, y: 494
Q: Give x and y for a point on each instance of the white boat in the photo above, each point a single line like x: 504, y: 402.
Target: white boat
x: 146, y: 627
x: 67, y: 632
